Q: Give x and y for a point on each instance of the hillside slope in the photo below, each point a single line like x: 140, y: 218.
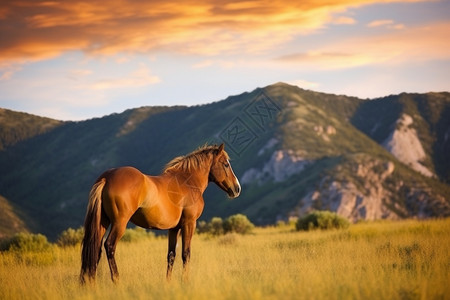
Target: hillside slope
x: 16, y: 127
x: 414, y: 127
x: 293, y: 150
x: 10, y: 221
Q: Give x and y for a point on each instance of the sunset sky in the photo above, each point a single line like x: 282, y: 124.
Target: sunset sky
x: 74, y: 60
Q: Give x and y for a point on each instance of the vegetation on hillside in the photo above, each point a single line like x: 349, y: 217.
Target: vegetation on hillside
x: 10, y: 220
x: 16, y: 127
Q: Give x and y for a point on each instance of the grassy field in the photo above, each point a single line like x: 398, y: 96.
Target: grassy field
x: 380, y: 260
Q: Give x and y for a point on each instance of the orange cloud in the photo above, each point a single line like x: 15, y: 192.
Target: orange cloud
x: 139, y: 78
x: 344, y: 21
x: 34, y: 30
x: 378, y: 23
x: 409, y: 44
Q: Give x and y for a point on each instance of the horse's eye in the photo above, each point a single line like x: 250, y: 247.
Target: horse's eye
x: 226, y: 165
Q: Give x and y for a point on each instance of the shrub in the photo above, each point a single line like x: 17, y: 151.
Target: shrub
x: 27, y: 242
x: 280, y: 223
x: 214, y: 227
x: 202, y: 227
x: 70, y: 237
x: 136, y: 234
x: 238, y: 223
x: 322, y: 220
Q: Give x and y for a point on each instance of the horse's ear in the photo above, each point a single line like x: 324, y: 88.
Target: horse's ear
x: 220, y: 149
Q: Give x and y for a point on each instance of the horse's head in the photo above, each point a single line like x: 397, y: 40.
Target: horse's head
x: 222, y: 174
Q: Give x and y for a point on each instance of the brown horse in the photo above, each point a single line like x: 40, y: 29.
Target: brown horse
x: 172, y: 200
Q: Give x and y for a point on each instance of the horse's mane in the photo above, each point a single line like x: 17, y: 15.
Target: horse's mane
x: 193, y: 160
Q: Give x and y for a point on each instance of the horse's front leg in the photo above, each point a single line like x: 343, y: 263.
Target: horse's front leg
x: 187, y: 231
x: 171, y: 253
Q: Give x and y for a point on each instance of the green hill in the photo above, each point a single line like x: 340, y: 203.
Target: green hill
x: 17, y: 126
x: 294, y: 150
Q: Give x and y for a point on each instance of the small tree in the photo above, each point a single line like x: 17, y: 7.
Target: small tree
x: 202, y: 226
x: 27, y: 242
x: 321, y: 220
x: 137, y: 234
x: 70, y: 237
x: 216, y: 226
x: 238, y: 223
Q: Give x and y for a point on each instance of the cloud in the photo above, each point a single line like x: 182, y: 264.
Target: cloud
x: 305, y: 84
x: 409, y: 45
x: 342, y: 20
x: 203, y: 64
x: 385, y: 23
x: 7, y: 70
x: 378, y: 23
x: 79, y: 73
x: 221, y: 63
x: 139, y: 78
x: 35, y: 30
x: 329, y: 58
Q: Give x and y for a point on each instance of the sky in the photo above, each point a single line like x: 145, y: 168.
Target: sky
x: 75, y: 60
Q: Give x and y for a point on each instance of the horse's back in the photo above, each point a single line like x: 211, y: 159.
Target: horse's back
x: 122, y: 174
x: 122, y: 192
x: 130, y: 194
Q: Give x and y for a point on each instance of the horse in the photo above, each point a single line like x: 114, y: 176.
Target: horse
x: 173, y: 201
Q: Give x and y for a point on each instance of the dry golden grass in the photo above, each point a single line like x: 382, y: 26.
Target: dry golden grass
x: 381, y: 260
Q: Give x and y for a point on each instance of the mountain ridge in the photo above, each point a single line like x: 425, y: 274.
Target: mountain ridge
x: 299, y: 150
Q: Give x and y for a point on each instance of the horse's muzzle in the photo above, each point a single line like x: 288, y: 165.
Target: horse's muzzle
x: 235, y: 191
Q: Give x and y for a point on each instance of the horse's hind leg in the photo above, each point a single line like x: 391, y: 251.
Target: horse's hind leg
x: 117, y: 231
x: 104, y: 224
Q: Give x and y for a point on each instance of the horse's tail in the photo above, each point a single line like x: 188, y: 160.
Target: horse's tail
x: 93, y: 232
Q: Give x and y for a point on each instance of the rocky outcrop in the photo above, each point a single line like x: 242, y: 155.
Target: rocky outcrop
x: 404, y: 144
x: 346, y: 200
x: 370, y: 195
x: 325, y: 132
x: 281, y: 165
x: 363, y: 202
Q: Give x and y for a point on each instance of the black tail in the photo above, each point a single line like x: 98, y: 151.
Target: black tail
x: 93, y: 232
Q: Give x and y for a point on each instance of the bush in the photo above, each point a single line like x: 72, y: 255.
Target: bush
x: 26, y: 242
x: 136, y: 234
x: 70, y: 237
x: 321, y: 220
x: 202, y: 227
x: 214, y: 227
x: 238, y: 223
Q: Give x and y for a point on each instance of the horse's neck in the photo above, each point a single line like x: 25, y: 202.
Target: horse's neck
x: 196, y: 178
x: 200, y: 177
